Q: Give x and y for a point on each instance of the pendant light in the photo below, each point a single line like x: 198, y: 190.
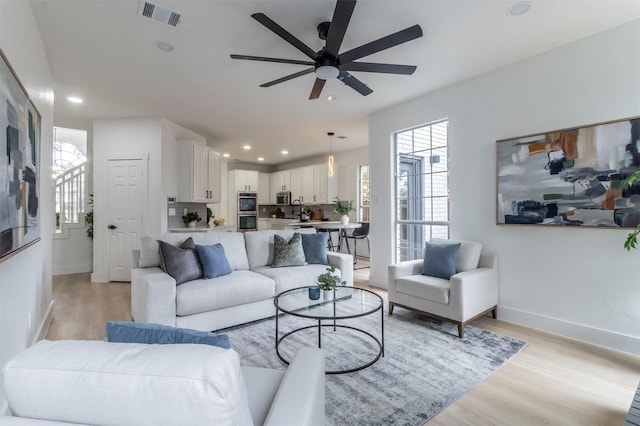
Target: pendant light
x: 330, y: 160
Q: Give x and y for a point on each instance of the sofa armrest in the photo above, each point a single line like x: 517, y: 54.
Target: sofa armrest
x: 153, y: 296
x: 474, y: 291
x: 300, y: 400
x: 343, y: 262
x: 399, y: 270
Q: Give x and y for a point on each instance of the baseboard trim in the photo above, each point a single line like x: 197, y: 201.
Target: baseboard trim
x: 72, y: 269
x: 593, y: 335
x: 99, y: 277
x: 44, y: 325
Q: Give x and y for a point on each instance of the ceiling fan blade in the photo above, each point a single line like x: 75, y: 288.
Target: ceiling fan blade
x: 383, y: 43
x: 337, y: 29
x: 289, y: 77
x: 354, y: 83
x: 317, y: 88
x: 264, y: 59
x: 383, y: 68
x: 286, y: 35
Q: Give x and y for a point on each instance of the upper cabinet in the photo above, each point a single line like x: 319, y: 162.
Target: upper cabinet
x: 243, y: 180
x: 198, y: 173
x: 280, y: 181
x: 312, y: 184
x: 264, y: 189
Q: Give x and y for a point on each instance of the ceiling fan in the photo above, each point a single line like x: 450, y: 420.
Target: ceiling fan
x: 329, y: 62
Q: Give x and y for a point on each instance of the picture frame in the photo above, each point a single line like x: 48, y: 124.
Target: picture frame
x: 20, y: 132
x: 571, y: 177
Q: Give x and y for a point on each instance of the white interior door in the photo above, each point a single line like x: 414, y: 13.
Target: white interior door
x: 126, y: 194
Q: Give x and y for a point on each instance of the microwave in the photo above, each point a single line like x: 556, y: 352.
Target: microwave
x: 283, y: 198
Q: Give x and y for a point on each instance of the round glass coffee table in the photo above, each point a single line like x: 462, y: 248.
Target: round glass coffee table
x: 347, y: 303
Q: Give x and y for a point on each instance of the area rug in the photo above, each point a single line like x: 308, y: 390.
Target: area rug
x: 424, y: 369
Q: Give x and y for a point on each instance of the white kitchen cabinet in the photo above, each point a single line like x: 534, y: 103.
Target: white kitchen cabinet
x: 325, y: 188
x: 198, y: 173
x: 307, y: 191
x: 243, y: 180
x: 280, y: 181
x: 296, y: 184
x: 264, y: 189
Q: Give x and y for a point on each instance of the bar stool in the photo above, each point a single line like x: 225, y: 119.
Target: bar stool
x: 361, y: 233
x: 330, y: 245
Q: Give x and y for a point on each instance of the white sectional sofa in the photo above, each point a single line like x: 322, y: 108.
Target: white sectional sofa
x: 99, y: 383
x: 211, y: 304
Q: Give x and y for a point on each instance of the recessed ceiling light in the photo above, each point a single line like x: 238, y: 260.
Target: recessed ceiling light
x: 164, y: 46
x: 260, y: 158
x: 226, y: 155
x: 284, y: 152
x: 246, y: 147
x: 331, y: 98
x: 519, y: 8
x: 75, y: 99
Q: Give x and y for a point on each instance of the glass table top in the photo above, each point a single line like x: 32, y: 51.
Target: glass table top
x: 349, y: 302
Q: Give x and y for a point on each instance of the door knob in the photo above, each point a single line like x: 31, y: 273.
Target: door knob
x: 112, y: 227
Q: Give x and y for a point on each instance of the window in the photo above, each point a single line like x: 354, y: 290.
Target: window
x: 363, y: 193
x: 69, y: 175
x: 421, y: 189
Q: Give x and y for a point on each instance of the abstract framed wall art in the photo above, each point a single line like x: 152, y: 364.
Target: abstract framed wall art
x: 571, y: 177
x: 19, y: 164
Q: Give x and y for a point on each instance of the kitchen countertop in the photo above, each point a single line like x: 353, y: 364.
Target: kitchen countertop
x: 220, y: 228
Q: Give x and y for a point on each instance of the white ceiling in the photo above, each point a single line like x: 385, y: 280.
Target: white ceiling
x: 103, y: 52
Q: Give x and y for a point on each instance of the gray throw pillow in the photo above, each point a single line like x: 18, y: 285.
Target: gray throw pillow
x: 315, y: 248
x: 287, y: 253
x: 440, y: 259
x: 182, y: 264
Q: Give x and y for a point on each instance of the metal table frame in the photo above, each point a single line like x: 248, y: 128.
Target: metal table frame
x: 334, y: 318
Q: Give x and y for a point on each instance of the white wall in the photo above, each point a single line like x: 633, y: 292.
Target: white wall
x: 575, y: 282
x: 151, y: 139
x: 25, y: 278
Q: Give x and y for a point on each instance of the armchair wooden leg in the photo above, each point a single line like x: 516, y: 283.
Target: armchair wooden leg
x: 460, y: 330
x: 494, y: 312
x: 391, y: 305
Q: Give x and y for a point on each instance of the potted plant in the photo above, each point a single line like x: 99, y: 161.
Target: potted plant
x: 632, y: 237
x: 273, y: 211
x: 191, y: 218
x: 343, y: 208
x: 328, y: 282
x: 209, y: 215
x: 305, y: 213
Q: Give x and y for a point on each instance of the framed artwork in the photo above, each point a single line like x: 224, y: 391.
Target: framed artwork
x: 571, y: 177
x: 19, y: 164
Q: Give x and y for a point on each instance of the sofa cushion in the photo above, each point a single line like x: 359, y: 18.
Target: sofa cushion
x: 469, y: 254
x: 315, y: 247
x: 233, y: 243
x: 440, y: 259
x: 237, y: 288
x: 142, y: 332
x: 288, y: 253
x: 213, y: 261
x: 260, y: 244
x: 425, y: 287
x: 96, y: 382
x: 182, y: 264
x: 294, y: 276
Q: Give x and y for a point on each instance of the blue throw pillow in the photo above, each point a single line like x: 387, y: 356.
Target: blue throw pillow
x: 315, y: 248
x: 213, y: 261
x: 440, y: 259
x: 140, y: 332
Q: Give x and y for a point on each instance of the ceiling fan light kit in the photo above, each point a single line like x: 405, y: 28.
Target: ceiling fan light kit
x: 329, y: 63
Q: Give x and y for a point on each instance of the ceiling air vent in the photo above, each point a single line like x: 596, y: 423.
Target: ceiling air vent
x: 158, y: 13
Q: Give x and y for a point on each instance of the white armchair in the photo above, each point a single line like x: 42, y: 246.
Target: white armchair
x: 470, y: 293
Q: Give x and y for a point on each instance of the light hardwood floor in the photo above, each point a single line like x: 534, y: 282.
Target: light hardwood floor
x: 554, y: 381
